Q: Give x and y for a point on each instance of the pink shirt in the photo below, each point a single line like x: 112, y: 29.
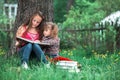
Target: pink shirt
x: 31, y: 36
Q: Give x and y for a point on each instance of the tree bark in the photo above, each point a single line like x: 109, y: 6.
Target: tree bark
x: 25, y: 9
x: 118, y: 38
x: 69, y: 4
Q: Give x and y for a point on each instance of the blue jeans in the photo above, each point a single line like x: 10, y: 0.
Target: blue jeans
x: 26, y: 50
x: 52, y: 55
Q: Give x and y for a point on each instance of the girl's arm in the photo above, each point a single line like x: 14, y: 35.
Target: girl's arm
x: 19, y: 33
x: 51, y: 41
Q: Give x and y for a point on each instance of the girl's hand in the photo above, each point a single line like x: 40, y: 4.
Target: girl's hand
x: 17, y: 43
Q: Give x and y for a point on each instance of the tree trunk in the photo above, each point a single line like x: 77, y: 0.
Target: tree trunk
x: 118, y: 38
x: 69, y: 4
x: 25, y: 9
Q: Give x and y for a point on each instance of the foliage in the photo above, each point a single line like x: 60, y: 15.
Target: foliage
x: 59, y: 10
x: 96, y: 67
x: 1, y: 7
x: 4, y: 40
x: 3, y: 20
x: 84, y: 14
x: 110, y: 38
x: 5, y: 24
x: 2, y: 51
x: 109, y: 6
x: 4, y: 35
x: 11, y: 1
x: 100, y: 40
x: 67, y: 40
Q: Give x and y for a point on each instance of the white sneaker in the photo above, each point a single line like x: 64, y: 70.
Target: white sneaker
x: 24, y: 65
x: 47, y: 65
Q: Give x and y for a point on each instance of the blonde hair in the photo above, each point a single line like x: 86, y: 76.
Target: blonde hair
x: 53, y: 27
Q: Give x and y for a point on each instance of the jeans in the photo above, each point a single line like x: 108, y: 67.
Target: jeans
x: 52, y: 55
x: 26, y: 50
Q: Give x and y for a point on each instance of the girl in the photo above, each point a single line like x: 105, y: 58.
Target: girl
x: 31, y: 30
x: 51, y: 36
x: 52, y: 51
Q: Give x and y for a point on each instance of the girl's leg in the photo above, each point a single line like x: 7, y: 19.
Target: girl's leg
x: 25, y: 52
x: 38, y: 51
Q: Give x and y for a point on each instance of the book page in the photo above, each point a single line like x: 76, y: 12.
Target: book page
x: 27, y: 40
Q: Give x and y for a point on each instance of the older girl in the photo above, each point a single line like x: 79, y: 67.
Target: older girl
x: 31, y: 30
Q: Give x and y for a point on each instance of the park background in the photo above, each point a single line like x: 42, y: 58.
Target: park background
x: 89, y: 31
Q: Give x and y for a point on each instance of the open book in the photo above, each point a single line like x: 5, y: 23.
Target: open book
x: 30, y: 41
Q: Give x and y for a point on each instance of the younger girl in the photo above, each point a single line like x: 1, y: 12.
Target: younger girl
x: 51, y: 36
x: 31, y: 30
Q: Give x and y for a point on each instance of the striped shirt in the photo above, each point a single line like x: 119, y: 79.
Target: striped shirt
x: 53, y: 48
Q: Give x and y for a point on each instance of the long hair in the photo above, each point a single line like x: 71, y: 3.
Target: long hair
x: 53, y: 27
x: 40, y: 26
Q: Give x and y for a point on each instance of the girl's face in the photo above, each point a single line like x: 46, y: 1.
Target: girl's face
x: 36, y: 21
x: 47, y: 32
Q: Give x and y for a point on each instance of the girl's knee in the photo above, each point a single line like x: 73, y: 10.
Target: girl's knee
x: 36, y: 45
x: 29, y: 45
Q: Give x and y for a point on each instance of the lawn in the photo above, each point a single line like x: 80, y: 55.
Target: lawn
x: 94, y: 67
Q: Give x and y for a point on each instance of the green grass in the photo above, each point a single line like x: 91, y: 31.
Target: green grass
x: 95, y: 67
